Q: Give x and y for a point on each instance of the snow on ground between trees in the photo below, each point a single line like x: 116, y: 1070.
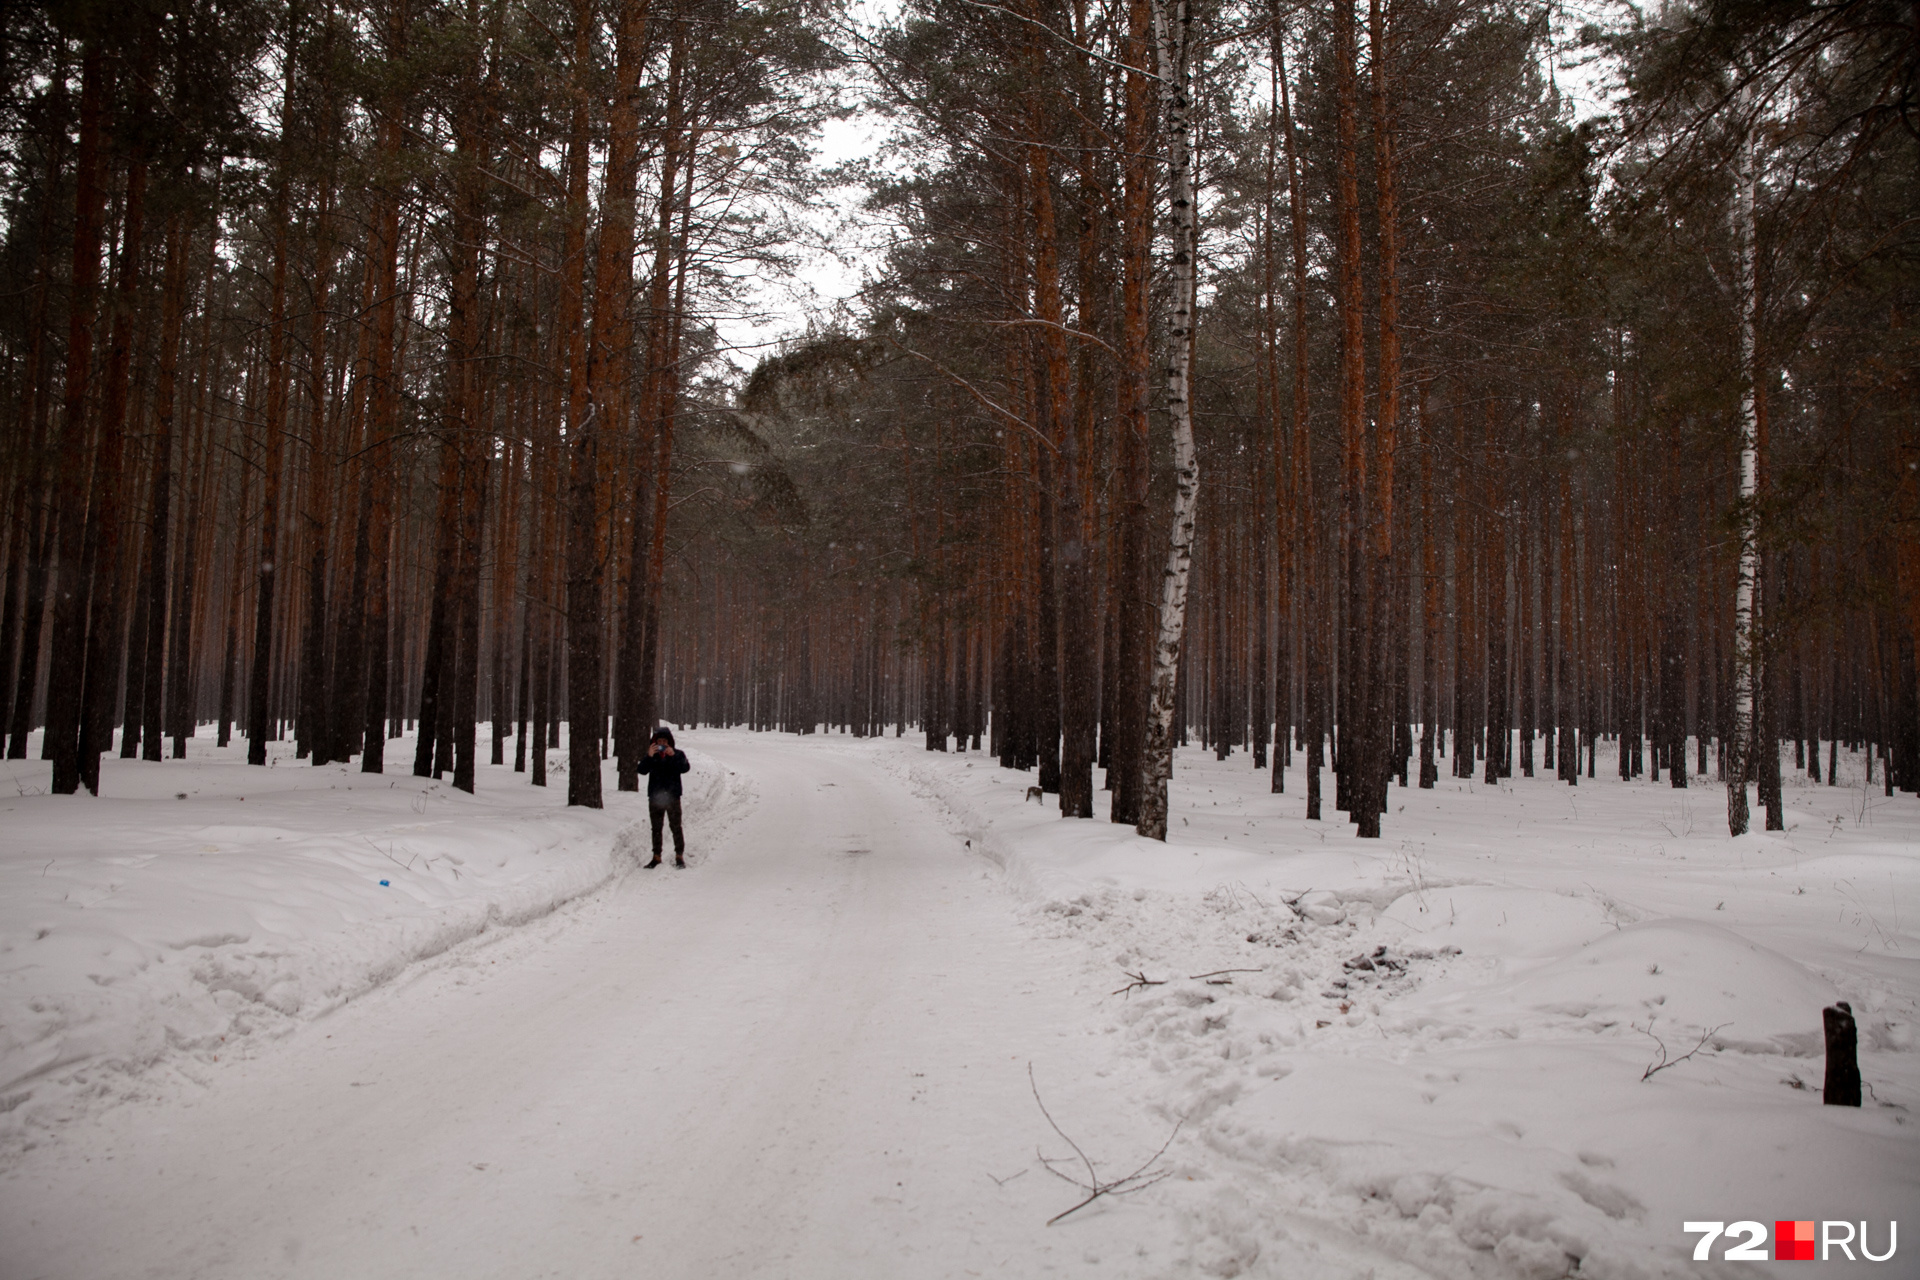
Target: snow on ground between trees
x: 200, y: 904
x: 1440, y: 1041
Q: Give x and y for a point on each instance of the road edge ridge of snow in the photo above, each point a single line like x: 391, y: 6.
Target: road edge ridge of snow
x: 91, y: 1080
x: 982, y: 829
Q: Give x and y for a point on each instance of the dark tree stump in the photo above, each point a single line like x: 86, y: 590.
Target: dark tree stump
x: 1843, y: 1061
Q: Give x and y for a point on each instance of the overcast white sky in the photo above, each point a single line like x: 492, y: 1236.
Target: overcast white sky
x: 843, y: 245
x: 834, y: 264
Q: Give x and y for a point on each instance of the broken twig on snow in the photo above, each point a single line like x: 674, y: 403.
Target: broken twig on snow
x: 1220, y: 973
x: 1138, y: 1180
x: 1214, y: 978
x: 1140, y: 979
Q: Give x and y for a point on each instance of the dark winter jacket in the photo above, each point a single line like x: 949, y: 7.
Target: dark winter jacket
x: 663, y: 772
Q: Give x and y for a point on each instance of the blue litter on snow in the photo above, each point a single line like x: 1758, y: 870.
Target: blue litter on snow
x: 385, y: 882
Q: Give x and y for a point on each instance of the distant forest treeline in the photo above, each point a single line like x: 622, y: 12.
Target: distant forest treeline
x: 364, y: 365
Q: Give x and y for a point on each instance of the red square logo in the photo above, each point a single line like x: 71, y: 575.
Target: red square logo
x: 1793, y: 1241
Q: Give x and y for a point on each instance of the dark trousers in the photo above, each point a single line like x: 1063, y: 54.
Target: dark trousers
x: 666, y: 806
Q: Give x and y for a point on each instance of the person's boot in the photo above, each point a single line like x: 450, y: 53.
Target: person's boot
x: 656, y: 860
x: 679, y: 857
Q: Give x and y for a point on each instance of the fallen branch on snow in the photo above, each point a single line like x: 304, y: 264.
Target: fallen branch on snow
x: 1139, y: 1180
x: 1214, y: 978
x: 1139, y: 980
x: 1220, y: 974
x: 1664, y: 1063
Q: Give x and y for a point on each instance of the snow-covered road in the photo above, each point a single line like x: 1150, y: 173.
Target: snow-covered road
x: 805, y: 1056
x: 308, y: 1022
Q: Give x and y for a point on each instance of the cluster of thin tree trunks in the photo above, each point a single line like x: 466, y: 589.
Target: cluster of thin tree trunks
x: 238, y: 518
x: 1483, y: 678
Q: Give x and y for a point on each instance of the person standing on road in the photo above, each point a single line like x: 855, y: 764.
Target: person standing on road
x: 663, y: 767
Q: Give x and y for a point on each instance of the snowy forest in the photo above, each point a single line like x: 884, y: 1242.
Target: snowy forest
x: 1277, y: 639
x: 1298, y: 380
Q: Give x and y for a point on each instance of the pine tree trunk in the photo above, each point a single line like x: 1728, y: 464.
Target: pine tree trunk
x: 19, y: 513
x: 543, y: 606
x: 173, y: 291
x: 349, y: 711
x: 471, y: 437
x: 1354, y: 757
x: 37, y: 531
x: 268, y: 560
x: 229, y: 667
x: 1303, y: 526
x: 636, y: 709
x: 1377, y: 733
x: 108, y: 526
x: 317, y: 719
x: 1271, y: 545
x: 1524, y: 632
x: 630, y: 727
x: 466, y: 672
x: 1430, y: 605
x: 182, y: 687
x: 668, y: 410
x: 383, y: 411
x: 1566, y: 711
x: 1499, y: 735
x: 1065, y: 602
x: 134, y: 652
x: 1133, y: 598
x: 431, y: 751
x: 71, y: 591
x: 585, y: 711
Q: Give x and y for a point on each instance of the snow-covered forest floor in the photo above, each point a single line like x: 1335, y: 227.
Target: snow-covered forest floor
x: 1421, y: 1056
x: 1443, y: 1042
x: 202, y: 906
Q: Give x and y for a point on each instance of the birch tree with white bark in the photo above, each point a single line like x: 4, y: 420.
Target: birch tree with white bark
x: 1172, y: 39
x: 1740, y: 731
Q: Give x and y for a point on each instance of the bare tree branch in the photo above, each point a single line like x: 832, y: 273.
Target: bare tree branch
x: 1139, y: 1180
x: 1664, y: 1063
